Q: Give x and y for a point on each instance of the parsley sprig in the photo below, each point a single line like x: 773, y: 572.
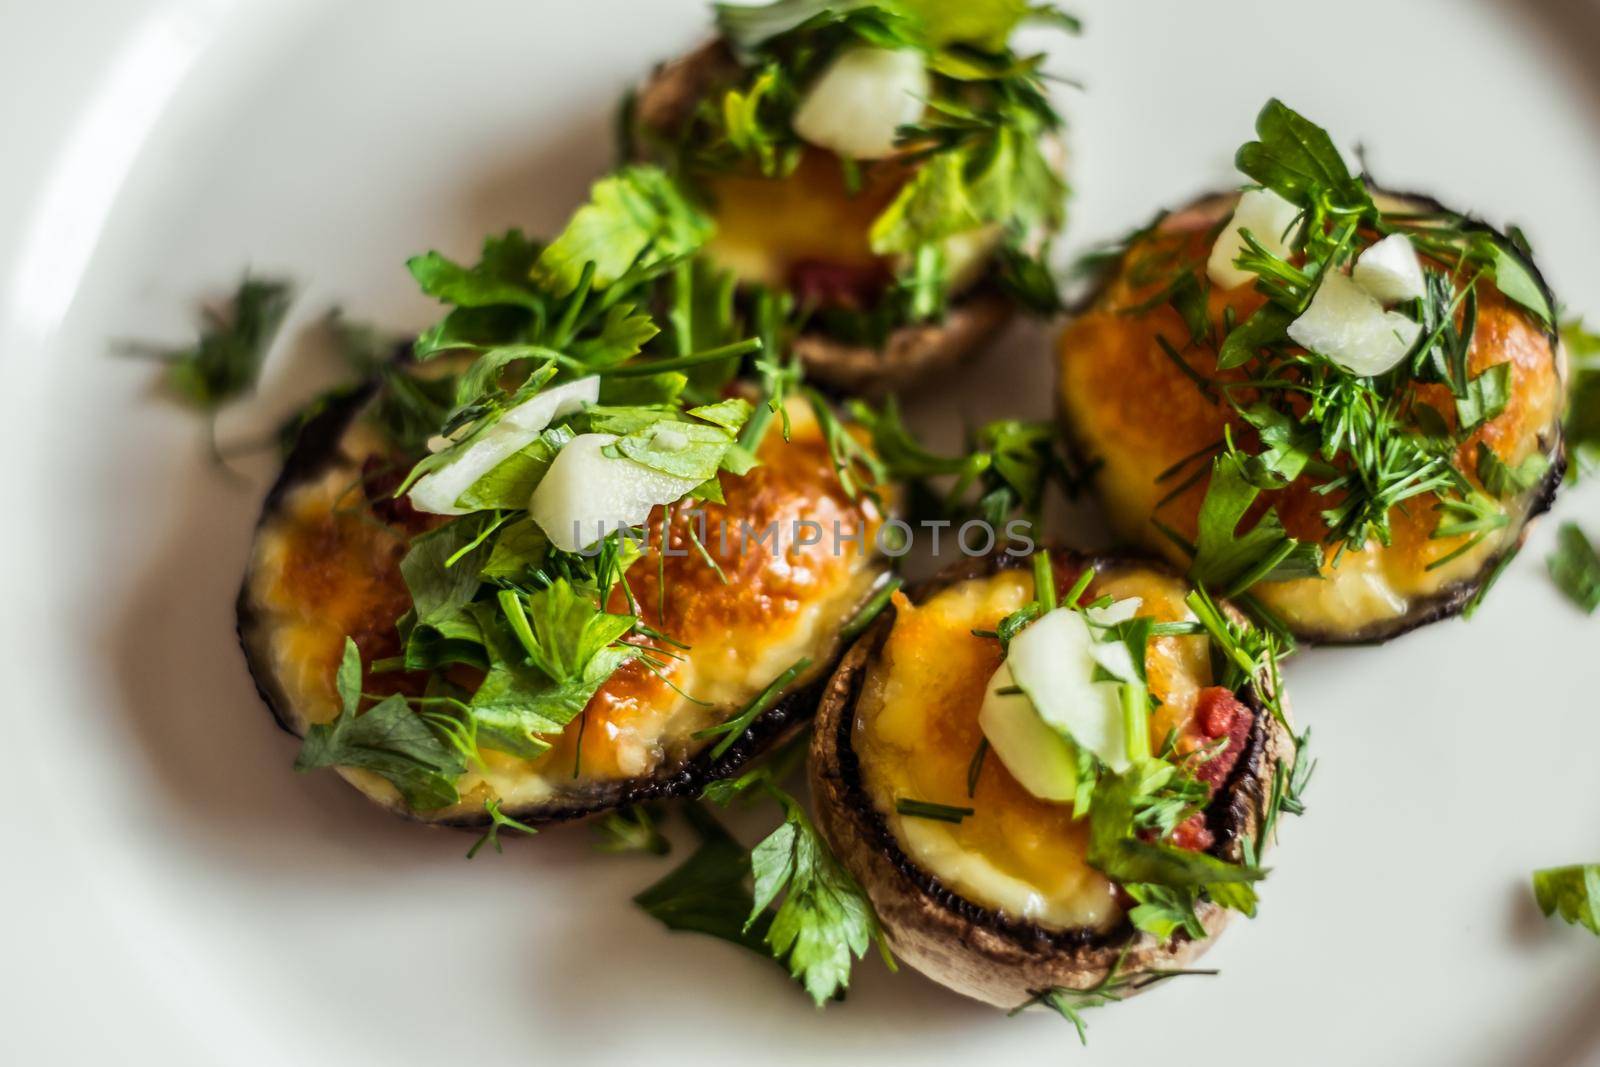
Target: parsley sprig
x: 1575, y: 568
x: 224, y: 363
x: 789, y: 898
x: 388, y: 739
x: 1572, y: 892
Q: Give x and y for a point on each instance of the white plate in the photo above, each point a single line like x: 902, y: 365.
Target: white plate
x: 173, y: 892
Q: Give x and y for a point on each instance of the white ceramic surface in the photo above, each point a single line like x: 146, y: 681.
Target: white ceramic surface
x: 172, y: 893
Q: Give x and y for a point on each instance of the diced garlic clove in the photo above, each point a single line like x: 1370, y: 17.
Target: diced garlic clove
x: 1269, y: 218
x: 1038, y: 757
x: 552, y: 404
x: 855, y: 106
x: 437, y: 492
x: 1391, y: 271
x: 1114, y: 655
x: 1054, y: 662
x: 1115, y: 612
x: 1346, y: 324
x: 587, y: 494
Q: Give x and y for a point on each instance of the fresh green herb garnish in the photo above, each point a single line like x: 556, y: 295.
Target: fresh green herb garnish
x: 634, y: 829
x: 1006, y: 470
x: 489, y: 590
x: 226, y: 360
x: 825, y: 918
x: 1232, y: 560
x: 1114, y: 987
x: 1583, y: 405
x: 1575, y: 566
x: 549, y: 651
x: 1044, y: 583
x: 923, y: 809
x: 859, y: 469
x: 1371, y: 445
x: 636, y: 223
x: 804, y: 911
x: 735, y: 727
x: 1122, y: 803
x: 710, y: 892
x: 1242, y: 654
x: 1571, y: 892
x: 975, y: 768
x: 388, y: 739
x: 498, y: 820
x: 407, y: 408
x: 1502, y: 480
x: 870, y: 611
x: 1285, y: 795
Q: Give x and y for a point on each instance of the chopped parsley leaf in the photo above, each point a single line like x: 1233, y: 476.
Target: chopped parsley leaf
x: 226, y: 360
x: 498, y: 820
x: 788, y: 899
x: 388, y: 739
x: 1575, y: 567
x: 1571, y: 892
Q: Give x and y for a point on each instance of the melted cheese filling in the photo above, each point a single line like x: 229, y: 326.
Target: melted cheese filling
x: 1140, y: 415
x: 324, y: 568
x: 916, y: 729
x: 767, y: 227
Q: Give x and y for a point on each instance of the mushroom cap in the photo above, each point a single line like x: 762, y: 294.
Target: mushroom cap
x: 1107, y: 391
x: 913, y: 354
x: 964, y: 946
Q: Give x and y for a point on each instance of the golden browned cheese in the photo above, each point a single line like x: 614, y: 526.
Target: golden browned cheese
x: 1129, y: 407
x: 327, y: 567
x: 916, y: 730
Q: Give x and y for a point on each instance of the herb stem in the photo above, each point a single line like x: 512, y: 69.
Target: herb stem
x: 975, y: 768
x: 657, y: 366
x: 923, y: 809
x: 1044, y: 582
x: 1136, y: 720
x: 1079, y: 587
x: 871, y: 609
x: 511, y: 608
x: 736, y: 726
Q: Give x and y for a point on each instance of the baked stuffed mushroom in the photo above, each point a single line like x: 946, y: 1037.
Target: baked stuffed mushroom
x: 895, y: 168
x: 1343, y: 404
x: 535, y: 573
x: 1054, y: 782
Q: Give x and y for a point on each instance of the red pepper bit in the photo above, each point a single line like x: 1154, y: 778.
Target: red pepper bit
x: 1193, y: 834
x: 1220, y: 714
